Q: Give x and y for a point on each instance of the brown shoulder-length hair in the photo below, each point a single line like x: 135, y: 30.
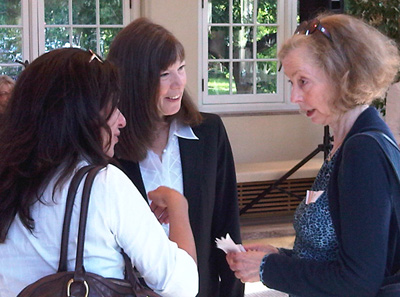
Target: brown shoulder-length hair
x: 55, y: 118
x: 360, y: 61
x: 141, y: 51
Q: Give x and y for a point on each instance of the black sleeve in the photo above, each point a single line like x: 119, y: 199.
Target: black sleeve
x: 226, y: 213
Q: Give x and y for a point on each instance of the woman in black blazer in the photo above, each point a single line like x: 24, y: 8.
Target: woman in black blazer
x: 168, y: 142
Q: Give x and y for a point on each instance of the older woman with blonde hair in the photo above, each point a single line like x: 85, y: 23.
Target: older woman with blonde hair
x: 347, y: 237
x: 6, y: 88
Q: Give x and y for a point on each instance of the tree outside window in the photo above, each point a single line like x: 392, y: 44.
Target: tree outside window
x: 242, y: 47
x: 87, y: 24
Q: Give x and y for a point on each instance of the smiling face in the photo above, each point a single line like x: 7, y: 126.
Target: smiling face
x: 115, y: 122
x: 172, y: 85
x: 312, y: 89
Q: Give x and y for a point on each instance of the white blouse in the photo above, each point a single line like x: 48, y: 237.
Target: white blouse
x: 168, y: 171
x: 118, y: 218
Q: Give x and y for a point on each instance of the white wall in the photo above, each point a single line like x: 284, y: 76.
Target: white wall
x: 253, y: 138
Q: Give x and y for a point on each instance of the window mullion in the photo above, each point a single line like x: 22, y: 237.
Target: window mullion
x: 255, y: 28
x: 230, y: 47
x: 35, y: 30
x: 98, y: 26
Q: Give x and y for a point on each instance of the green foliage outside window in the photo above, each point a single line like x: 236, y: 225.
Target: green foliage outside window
x: 244, y: 21
x: 59, y: 30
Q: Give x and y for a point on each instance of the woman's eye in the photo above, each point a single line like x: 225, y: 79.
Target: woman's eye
x: 164, y: 74
x: 182, y: 67
x: 302, y: 82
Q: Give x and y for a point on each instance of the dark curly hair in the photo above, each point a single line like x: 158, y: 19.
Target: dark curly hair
x: 54, y: 120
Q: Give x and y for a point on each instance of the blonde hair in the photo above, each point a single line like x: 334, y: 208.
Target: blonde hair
x: 5, y: 79
x: 361, y: 61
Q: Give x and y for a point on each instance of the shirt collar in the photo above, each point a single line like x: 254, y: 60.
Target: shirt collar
x: 182, y: 130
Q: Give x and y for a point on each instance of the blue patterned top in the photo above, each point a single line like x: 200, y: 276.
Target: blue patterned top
x: 315, y: 234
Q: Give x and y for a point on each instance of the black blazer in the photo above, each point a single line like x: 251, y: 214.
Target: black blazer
x: 209, y: 184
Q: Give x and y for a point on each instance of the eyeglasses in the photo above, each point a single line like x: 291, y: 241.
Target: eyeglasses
x: 95, y: 56
x: 309, y: 27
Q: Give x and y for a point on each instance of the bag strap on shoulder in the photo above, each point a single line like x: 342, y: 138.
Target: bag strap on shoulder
x: 392, y: 153
x: 75, y: 182
x: 83, y: 218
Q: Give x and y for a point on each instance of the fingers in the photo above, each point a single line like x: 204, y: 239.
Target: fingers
x: 234, y: 261
x: 266, y: 248
x: 164, y: 196
x: 246, y: 266
x: 161, y: 213
x: 163, y: 217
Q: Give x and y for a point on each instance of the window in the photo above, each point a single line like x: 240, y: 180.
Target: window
x: 30, y: 28
x: 13, y: 30
x: 239, y: 59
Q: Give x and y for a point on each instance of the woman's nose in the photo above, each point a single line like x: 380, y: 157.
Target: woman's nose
x: 295, y: 96
x: 178, y: 80
x: 121, y: 120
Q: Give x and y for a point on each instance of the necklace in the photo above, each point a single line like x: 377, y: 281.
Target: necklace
x: 333, y: 151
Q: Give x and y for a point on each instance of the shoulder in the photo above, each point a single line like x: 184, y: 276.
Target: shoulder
x: 210, y: 119
x: 361, y: 143
x: 211, y: 124
x: 111, y: 179
x: 363, y: 155
x: 111, y: 173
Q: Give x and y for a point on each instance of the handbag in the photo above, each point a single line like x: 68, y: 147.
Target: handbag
x: 391, y: 284
x: 80, y: 283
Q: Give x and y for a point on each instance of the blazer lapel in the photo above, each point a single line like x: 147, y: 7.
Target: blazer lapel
x: 192, y: 160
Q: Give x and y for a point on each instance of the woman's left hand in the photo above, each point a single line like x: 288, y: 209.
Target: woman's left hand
x: 246, y: 266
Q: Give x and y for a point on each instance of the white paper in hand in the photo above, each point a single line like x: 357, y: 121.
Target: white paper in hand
x: 228, y: 245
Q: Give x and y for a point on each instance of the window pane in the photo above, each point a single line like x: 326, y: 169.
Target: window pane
x: 243, y: 76
x: 10, y: 12
x: 266, y: 42
x: 56, y: 38
x: 11, y: 71
x: 56, y: 12
x: 243, y: 42
x: 218, y: 11
x: 111, y: 12
x: 266, y: 77
x: 267, y: 11
x: 242, y: 11
x: 84, y: 11
x: 106, y: 37
x: 218, y: 43
x: 10, y: 45
x: 218, y: 78
x: 84, y: 38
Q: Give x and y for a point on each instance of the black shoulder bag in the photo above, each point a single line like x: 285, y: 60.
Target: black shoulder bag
x: 80, y: 283
x: 391, y: 284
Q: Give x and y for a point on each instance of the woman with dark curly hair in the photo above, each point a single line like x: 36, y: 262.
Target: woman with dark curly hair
x: 62, y: 116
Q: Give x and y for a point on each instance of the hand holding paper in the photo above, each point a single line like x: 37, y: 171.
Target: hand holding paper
x: 228, y: 245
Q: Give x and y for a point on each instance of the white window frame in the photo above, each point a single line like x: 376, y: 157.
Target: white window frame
x: 24, y: 26
x: 33, y: 26
x: 248, y: 103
